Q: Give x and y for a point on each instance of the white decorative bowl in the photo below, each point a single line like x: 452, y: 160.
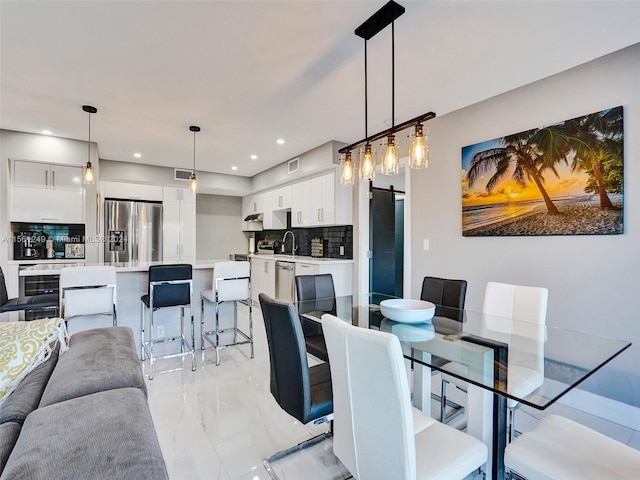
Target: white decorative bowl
x: 407, y: 310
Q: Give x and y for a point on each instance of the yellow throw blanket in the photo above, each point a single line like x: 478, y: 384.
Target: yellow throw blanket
x: 24, y: 346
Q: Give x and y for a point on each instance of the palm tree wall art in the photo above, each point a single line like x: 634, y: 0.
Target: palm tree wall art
x: 561, y: 179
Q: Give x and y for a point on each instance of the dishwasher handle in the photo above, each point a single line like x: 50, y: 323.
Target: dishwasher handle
x: 285, y: 266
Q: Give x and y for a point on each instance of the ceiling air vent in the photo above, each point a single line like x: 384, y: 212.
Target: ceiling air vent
x: 293, y: 165
x: 182, y: 175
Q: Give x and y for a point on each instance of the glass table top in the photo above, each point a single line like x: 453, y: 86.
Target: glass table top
x: 495, y: 353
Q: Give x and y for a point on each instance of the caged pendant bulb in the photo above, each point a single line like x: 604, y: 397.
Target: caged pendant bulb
x: 346, y: 176
x: 419, y: 153
x: 390, y: 159
x: 193, y: 183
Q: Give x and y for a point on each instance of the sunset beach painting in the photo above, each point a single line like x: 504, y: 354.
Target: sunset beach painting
x: 560, y: 179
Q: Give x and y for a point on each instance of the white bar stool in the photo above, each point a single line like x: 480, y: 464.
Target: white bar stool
x: 231, y: 283
x: 87, y: 292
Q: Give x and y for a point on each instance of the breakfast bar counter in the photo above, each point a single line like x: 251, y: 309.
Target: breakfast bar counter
x: 131, y: 284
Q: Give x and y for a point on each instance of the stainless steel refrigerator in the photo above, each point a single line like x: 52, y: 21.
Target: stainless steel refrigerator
x: 133, y: 231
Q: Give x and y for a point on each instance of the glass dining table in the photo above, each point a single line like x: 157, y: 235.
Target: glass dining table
x: 491, y: 354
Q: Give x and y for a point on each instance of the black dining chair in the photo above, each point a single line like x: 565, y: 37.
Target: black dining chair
x: 316, y: 296
x: 449, y: 297
x: 27, y: 303
x: 303, y: 392
x: 169, y: 286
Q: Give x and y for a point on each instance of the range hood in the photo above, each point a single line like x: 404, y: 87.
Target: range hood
x: 253, y: 223
x: 255, y: 217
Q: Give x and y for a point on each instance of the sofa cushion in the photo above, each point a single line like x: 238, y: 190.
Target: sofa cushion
x: 26, y: 397
x: 9, y: 432
x: 98, y: 360
x: 24, y: 346
x: 104, y: 435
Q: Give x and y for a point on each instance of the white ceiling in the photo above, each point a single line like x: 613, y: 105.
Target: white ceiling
x: 249, y: 72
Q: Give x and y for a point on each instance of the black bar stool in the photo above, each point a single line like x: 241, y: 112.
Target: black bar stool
x: 169, y: 286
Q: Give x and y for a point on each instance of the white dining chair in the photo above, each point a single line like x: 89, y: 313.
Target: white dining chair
x: 231, y: 284
x: 376, y: 434
x: 518, y: 312
x: 557, y: 447
x: 86, y: 294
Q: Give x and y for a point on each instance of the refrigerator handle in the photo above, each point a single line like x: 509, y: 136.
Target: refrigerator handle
x: 97, y: 213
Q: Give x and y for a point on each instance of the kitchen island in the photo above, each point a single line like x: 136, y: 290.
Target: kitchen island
x: 131, y: 284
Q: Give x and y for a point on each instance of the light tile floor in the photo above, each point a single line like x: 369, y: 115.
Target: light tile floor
x: 219, y: 422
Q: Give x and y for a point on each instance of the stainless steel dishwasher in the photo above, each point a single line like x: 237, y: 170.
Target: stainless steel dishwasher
x: 285, y: 272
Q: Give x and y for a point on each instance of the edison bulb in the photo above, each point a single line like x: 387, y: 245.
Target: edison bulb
x: 88, y: 173
x: 193, y: 183
x: 347, y: 170
x: 390, y: 160
x: 419, y: 153
x: 367, y: 165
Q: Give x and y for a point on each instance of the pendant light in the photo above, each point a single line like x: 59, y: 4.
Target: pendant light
x: 419, y: 153
x: 347, y: 175
x: 193, y: 181
x: 390, y: 160
x: 88, y: 171
x: 367, y: 162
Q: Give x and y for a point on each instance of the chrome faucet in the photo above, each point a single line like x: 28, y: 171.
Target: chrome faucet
x: 293, y: 244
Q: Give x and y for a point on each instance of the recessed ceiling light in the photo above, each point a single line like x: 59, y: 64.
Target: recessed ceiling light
x: 280, y: 141
x: 234, y: 168
x: 137, y: 155
x: 47, y: 132
x: 254, y: 157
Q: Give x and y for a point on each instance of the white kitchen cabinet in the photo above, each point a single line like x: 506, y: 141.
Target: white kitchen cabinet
x: 341, y: 273
x: 178, y: 225
x: 263, y: 278
x: 300, y: 204
x: 306, y: 268
x: 44, y: 192
x: 253, y: 204
x: 281, y: 198
x: 320, y: 201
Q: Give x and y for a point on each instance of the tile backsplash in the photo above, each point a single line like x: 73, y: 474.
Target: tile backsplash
x: 333, y: 239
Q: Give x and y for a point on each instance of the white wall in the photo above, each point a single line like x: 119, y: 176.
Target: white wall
x: 593, y: 281
x: 319, y: 159
x: 219, y: 227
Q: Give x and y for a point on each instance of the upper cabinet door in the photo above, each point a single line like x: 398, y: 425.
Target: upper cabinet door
x: 300, y: 204
x: 45, y: 175
x: 31, y: 174
x: 64, y: 177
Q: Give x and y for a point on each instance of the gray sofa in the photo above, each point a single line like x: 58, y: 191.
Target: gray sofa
x: 83, y: 415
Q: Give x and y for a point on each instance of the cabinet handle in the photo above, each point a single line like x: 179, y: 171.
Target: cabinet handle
x: 302, y: 265
x: 181, y: 249
x: 322, y: 215
x: 53, y: 178
x: 280, y: 201
x: 319, y: 215
x: 255, y: 207
x: 266, y: 267
x: 177, y: 249
x: 50, y: 218
x: 46, y: 178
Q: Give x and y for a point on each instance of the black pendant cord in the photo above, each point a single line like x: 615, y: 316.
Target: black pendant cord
x: 393, y: 74
x: 366, y: 116
x: 89, y: 144
x: 194, y: 152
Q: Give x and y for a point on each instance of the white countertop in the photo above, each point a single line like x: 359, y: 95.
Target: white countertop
x: 53, y: 268
x: 300, y: 259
